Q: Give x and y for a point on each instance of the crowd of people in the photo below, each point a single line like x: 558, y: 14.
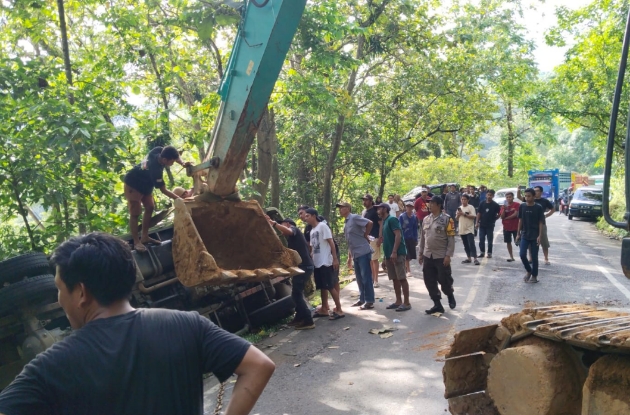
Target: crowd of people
x: 394, y: 233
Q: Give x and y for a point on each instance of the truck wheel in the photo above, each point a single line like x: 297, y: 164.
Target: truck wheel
x: 570, y: 217
x: 28, y: 292
x: 21, y: 266
x: 272, y: 313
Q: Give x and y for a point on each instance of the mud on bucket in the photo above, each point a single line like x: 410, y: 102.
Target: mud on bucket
x: 225, y: 242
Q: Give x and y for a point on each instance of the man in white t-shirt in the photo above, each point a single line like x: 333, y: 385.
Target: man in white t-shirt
x: 394, y: 209
x: 466, y: 217
x: 325, y: 261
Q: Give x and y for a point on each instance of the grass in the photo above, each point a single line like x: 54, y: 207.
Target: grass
x: 265, y: 331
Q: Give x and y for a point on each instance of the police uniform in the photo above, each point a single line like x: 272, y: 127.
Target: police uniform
x: 436, y: 242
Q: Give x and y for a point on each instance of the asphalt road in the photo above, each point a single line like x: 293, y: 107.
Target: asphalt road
x: 340, y: 368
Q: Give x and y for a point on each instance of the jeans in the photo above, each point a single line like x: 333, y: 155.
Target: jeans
x: 469, y: 245
x: 302, y: 312
x: 363, y: 272
x: 485, y: 232
x: 525, y: 245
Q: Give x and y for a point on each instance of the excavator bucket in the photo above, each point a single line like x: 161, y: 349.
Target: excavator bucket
x: 226, y: 242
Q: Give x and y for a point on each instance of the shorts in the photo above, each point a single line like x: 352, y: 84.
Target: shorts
x: 544, y: 240
x: 324, y: 278
x: 376, y: 248
x: 397, y: 270
x: 135, y: 200
x: 411, y: 248
x: 508, y: 236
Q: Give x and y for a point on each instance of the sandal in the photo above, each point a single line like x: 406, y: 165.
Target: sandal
x: 511, y: 260
x: 526, y: 277
x: 335, y: 316
x: 476, y: 262
x: 466, y: 261
x: 366, y: 306
x: 139, y: 247
x: 317, y: 315
x: 152, y: 241
x: 547, y: 263
x: 392, y: 306
x: 404, y: 308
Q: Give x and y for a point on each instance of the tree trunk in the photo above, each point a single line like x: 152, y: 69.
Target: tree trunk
x: 24, y: 213
x: 339, y: 129
x: 511, y: 139
x: 265, y: 139
x: 81, y: 204
x: 275, y: 180
x: 384, y: 172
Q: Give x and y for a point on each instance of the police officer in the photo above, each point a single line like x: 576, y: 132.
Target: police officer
x: 437, y: 244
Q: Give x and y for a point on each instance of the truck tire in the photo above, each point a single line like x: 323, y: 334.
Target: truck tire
x: 272, y: 313
x: 30, y: 291
x: 22, y: 266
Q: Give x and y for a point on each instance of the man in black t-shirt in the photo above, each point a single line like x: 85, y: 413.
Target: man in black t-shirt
x: 124, y: 361
x: 303, y: 319
x: 371, y: 213
x: 531, y: 221
x: 487, y: 215
x: 139, y: 184
x: 548, y: 209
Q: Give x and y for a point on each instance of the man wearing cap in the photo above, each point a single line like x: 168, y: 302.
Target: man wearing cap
x: 395, y: 255
x: 357, y: 230
x: 437, y: 245
x: 409, y: 224
x: 303, y: 319
x: 372, y: 214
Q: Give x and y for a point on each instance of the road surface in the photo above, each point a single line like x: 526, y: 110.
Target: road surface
x: 340, y: 368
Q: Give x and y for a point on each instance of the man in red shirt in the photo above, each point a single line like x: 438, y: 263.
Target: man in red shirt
x: 421, y: 206
x: 509, y: 215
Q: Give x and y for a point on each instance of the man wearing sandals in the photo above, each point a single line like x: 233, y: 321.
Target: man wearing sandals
x: 139, y: 184
x: 357, y: 230
x: 530, y: 227
x: 395, y: 255
x: 509, y: 216
x: 325, y: 261
x: 437, y: 245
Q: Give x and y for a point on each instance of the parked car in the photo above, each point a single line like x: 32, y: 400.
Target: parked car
x: 411, y: 195
x: 586, y: 203
x: 499, y: 196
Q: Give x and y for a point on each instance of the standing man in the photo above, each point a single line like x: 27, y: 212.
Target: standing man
x: 326, y: 262
x: 421, y: 205
x: 549, y: 210
x: 452, y: 201
x: 395, y: 254
x: 139, y: 184
x: 371, y: 213
x: 437, y: 245
x: 303, y: 319
x: 394, y: 209
x: 466, y: 216
x: 409, y: 224
x: 488, y: 214
x: 357, y: 230
x: 531, y: 219
x: 509, y: 217
x: 120, y: 360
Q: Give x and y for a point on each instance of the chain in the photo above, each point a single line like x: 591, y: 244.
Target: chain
x: 217, y: 409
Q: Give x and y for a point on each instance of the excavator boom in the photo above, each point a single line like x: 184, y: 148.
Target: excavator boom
x: 263, y: 40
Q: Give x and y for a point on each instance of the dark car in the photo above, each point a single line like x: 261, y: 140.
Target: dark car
x: 586, y: 203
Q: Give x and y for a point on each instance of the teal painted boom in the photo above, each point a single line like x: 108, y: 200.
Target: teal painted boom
x: 259, y: 51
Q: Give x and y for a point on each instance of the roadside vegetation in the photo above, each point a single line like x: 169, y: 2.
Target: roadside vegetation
x: 378, y: 96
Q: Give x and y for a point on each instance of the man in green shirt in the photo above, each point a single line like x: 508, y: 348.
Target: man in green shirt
x: 395, y: 255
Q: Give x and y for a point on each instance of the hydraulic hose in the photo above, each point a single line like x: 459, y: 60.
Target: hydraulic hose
x: 611, y: 139
x: 263, y: 4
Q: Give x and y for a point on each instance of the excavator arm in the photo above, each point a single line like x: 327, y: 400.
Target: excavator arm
x: 219, y: 239
x: 264, y: 36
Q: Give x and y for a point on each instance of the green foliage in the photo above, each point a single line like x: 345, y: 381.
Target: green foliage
x: 617, y: 208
